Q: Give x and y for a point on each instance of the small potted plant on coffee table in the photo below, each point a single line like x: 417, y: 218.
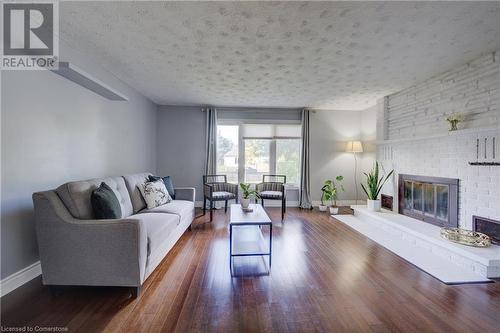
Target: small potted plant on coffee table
x: 330, y: 192
x: 247, y: 194
x: 374, y: 185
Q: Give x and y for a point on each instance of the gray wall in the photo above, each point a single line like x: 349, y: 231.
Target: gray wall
x: 181, y: 138
x: 54, y: 131
x: 181, y: 145
x: 330, y: 130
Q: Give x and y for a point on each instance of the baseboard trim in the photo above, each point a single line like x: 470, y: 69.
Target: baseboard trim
x: 19, y: 278
x: 342, y: 202
x: 199, y: 204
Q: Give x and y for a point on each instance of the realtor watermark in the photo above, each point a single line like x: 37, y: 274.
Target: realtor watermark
x: 30, y: 33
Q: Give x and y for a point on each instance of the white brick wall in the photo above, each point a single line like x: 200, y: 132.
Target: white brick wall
x: 472, y: 89
x: 415, y: 137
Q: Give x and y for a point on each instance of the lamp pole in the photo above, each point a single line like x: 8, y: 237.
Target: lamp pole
x: 356, y: 176
x: 355, y: 147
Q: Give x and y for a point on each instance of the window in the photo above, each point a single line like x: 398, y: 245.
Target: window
x: 288, y: 159
x: 245, y: 152
x: 257, y: 159
x: 227, y: 152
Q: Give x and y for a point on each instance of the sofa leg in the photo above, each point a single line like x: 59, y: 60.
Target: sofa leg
x: 56, y: 290
x: 204, y: 205
x: 225, y: 207
x: 211, y: 210
x: 135, y: 291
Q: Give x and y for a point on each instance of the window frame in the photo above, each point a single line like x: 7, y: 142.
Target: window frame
x: 272, y: 151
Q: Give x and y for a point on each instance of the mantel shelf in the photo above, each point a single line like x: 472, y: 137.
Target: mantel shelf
x: 440, y: 135
x: 485, y: 163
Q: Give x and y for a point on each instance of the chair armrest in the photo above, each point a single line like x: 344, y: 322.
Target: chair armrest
x: 207, y: 190
x: 185, y: 193
x: 88, y: 252
x: 259, y: 187
x: 232, y: 188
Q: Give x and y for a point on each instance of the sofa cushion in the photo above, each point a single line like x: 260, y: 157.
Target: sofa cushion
x: 180, y: 208
x: 76, y: 196
x: 105, y: 203
x: 132, y: 182
x: 158, y: 227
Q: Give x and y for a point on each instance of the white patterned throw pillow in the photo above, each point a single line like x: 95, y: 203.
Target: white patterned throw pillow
x: 155, y: 193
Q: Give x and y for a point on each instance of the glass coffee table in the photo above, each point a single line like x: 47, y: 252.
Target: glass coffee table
x: 247, y: 239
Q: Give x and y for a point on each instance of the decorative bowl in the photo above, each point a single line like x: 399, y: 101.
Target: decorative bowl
x: 466, y: 237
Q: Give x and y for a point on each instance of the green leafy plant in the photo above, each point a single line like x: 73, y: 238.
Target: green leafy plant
x: 454, y: 119
x: 330, y: 190
x: 374, y: 184
x: 247, y: 192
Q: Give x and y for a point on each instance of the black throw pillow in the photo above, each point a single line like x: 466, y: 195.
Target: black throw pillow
x: 168, y: 184
x: 105, y: 203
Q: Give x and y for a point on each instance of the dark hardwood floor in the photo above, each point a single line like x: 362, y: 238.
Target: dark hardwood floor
x: 325, y: 278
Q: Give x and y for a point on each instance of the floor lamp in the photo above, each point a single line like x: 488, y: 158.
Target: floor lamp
x: 355, y: 147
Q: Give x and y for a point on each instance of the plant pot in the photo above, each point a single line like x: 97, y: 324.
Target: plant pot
x: 334, y: 210
x: 245, y: 203
x: 322, y: 208
x: 374, y: 205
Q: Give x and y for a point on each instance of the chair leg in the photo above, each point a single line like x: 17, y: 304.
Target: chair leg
x: 211, y: 210
x: 262, y: 202
x: 283, y: 209
x: 225, y: 207
x: 204, y: 205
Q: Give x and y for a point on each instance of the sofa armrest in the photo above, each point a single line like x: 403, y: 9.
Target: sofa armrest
x: 185, y: 193
x: 88, y: 252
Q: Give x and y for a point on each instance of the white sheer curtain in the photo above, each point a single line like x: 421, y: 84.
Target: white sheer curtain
x: 305, y: 170
x: 211, y: 141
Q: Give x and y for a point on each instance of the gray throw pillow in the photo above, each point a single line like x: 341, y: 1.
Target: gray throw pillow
x: 105, y: 203
x: 168, y: 184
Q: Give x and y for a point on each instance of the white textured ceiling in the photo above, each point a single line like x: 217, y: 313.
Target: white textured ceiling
x: 330, y: 55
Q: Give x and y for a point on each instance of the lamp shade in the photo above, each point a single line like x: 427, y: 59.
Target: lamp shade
x: 354, y: 147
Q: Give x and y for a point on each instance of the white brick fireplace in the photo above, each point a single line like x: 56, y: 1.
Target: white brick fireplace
x: 413, y: 135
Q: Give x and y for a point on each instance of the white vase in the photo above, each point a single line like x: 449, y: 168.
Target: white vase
x: 334, y: 210
x: 373, y: 205
x: 322, y: 208
x: 245, y: 203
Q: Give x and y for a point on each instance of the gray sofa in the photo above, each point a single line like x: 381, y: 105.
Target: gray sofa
x: 76, y: 249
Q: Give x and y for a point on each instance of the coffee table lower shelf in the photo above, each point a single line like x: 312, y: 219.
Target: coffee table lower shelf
x: 248, y: 241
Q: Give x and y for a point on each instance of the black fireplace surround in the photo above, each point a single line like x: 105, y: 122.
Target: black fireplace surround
x: 430, y: 199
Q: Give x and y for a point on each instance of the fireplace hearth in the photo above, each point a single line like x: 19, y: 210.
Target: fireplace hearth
x: 429, y: 199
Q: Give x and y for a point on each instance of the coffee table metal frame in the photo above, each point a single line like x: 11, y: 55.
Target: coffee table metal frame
x: 249, y: 254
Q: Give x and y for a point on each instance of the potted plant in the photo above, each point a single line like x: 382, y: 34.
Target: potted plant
x: 335, y: 193
x: 330, y: 192
x: 247, y: 194
x: 373, y: 187
x: 454, y: 119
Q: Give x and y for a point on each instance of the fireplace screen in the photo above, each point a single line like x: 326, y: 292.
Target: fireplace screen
x: 430, y: 199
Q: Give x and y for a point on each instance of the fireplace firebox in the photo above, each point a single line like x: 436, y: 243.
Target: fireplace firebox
x: 430, y: 199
